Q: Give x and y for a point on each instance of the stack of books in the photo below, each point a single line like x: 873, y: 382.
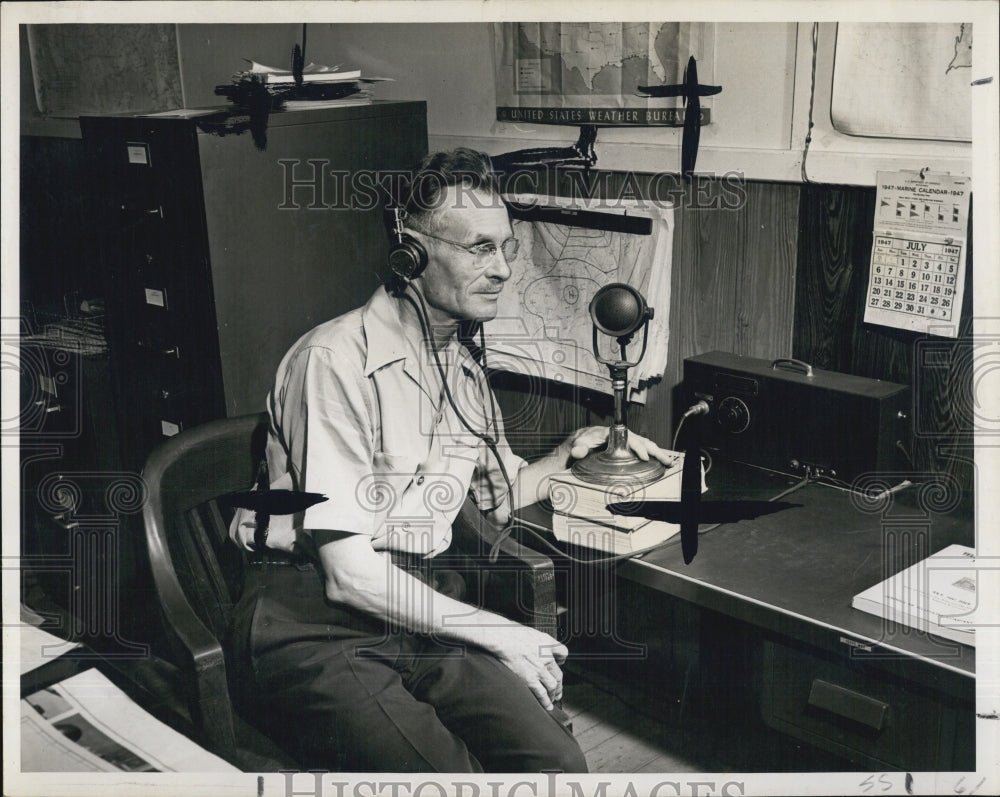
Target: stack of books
x: 320, y: 87
x: 580, y: 514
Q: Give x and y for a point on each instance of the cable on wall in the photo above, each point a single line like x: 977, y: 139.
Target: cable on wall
x: 812, y: 99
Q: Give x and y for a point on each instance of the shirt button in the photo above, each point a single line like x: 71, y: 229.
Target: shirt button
x: 420, y: 479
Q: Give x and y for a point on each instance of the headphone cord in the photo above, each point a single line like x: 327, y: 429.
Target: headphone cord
x: 491, y: 443
x: 488, y: 440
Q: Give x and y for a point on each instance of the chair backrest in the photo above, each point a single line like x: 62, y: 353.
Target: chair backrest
x: 196, y: 572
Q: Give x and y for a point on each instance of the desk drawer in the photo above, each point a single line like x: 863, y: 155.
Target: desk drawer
x: 849, y: 708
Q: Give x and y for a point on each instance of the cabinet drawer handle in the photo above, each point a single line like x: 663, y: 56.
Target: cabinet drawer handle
x: 56, y: 408
x: 848, y: 704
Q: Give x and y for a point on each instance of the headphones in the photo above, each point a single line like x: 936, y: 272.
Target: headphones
x: 407, y: 257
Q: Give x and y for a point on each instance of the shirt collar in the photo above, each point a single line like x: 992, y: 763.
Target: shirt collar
x: 393, y: 335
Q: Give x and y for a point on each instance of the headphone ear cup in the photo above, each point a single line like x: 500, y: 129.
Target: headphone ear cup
x: 407, y: 258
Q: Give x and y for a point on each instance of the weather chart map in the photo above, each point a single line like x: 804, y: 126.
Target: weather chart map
x: 543, y: 323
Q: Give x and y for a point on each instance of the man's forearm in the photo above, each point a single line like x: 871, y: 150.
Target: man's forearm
x: 532, y: 483
x: 354, y: 574
x: 369, y: 582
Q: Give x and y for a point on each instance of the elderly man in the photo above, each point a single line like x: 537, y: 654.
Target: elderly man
x: 361, y: 656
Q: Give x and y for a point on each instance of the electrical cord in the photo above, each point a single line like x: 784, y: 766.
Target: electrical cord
x: 812, y: 100
x: 700, y: 407
x: 797, y: 486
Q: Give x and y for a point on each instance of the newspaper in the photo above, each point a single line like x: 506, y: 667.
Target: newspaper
x: 87, y: 724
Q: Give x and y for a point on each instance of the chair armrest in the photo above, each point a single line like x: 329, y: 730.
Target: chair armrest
x: 520, y: 584
x: 201, y: 655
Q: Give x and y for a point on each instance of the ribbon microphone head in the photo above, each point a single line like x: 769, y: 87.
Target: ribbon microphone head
x: 619, y: 310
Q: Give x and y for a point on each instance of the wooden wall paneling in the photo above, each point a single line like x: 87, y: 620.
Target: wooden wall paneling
x: 829, y: 331
x: 731, y: 288
x: 765, y: 292
x: 707, y: 244
x: 826, y: 265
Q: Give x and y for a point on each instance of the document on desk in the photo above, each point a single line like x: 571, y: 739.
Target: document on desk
x: 87, y: 724
x: 937, y: 595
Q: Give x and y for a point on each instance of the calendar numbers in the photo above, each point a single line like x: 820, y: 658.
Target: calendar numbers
x: 914, y: 277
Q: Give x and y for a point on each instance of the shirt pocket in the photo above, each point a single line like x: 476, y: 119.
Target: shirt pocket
x: 393, y: 474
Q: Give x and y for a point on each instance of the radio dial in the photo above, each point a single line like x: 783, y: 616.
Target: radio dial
x: 733, y: 415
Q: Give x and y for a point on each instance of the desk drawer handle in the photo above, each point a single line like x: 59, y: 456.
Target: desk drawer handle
x: 848, y: 704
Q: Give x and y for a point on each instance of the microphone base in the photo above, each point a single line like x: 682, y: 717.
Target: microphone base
x: 601, y: 467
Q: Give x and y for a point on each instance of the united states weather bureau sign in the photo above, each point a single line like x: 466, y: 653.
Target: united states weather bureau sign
x: 665, y: 117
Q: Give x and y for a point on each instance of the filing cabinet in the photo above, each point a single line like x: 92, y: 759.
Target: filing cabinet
x: 220, y: 248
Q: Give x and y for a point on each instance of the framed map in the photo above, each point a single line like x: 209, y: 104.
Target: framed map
x: 543, y: 327
x: 85, y: 68
x: 903, y: 80
x: 574, y: 73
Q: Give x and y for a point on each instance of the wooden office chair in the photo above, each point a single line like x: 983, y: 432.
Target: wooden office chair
x: 198, y: 573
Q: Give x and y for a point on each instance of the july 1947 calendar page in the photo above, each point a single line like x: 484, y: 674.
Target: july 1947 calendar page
x: 918, y: 252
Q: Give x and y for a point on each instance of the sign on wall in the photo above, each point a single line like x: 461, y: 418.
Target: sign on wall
x: 576, y: 73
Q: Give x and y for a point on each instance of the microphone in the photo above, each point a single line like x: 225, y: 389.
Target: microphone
x: 619, y: 310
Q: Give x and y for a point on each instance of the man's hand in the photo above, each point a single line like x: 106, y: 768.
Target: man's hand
x: 535, y: 657
x: 583, y: 441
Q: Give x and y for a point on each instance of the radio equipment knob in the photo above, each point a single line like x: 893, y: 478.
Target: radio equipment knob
x: 733, y: 415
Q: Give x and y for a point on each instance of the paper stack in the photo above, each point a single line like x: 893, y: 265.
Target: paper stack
x: 321, y: 87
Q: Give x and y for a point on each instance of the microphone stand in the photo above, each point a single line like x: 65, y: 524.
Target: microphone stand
x: 617, y: 464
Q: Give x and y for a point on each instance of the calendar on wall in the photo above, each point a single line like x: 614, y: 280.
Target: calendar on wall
x: 918, y: 252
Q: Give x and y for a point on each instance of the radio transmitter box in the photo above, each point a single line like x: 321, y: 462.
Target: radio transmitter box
x: 786, y: 416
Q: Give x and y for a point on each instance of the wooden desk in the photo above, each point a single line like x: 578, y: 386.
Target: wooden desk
x: 829, y: 674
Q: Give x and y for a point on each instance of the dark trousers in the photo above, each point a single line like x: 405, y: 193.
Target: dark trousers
x: 342, y: 692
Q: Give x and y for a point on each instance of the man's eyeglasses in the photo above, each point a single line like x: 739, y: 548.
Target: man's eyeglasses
x: 483, y: 251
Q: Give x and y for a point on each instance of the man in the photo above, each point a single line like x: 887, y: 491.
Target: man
x: 367, y: 659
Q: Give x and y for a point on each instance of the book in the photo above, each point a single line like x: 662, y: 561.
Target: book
x: 613, y: 539
x: 572, y: 496
x: 936, y: 595
x: 581, y: 516
x: 285, y: 76
x: 361, y: 98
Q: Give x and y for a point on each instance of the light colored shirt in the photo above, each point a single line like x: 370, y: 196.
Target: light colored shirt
x: 359, y: 414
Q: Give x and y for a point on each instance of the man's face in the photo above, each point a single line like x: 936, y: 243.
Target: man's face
x: 458, y: 285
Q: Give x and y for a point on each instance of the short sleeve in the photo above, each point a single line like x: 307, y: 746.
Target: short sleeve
x: 327, y: 428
